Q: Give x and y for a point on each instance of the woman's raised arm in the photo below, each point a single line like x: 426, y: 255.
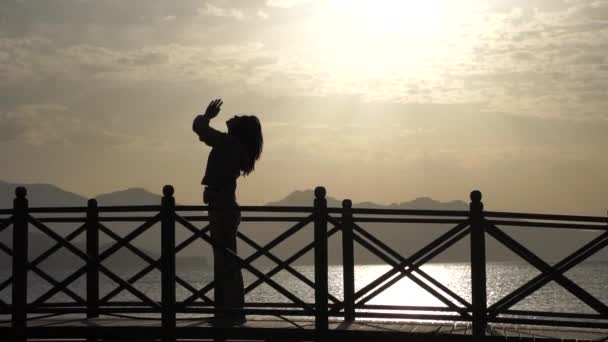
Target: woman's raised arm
x: 200, y: 126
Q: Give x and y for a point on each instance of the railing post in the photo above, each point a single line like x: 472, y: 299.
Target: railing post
x: 348, y: 260
x: 20, y: 256
x: 92, y: 263
x: 478, y: 265
x: 321, y: 268
x: 168, y: 263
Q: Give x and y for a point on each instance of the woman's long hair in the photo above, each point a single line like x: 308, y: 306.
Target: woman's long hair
x: 249, y: 132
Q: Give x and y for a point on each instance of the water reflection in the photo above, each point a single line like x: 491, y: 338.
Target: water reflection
x: 502, y: 279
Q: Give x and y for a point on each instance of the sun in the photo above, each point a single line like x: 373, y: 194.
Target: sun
x: 420, y: 18
x: 357, y: 41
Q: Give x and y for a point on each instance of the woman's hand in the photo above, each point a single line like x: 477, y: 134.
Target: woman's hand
x: 213, y: 109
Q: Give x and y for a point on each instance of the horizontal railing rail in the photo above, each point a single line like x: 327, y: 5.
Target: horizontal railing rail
x: 323, y: 224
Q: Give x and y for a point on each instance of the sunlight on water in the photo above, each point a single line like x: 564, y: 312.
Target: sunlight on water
x: 503, y: 278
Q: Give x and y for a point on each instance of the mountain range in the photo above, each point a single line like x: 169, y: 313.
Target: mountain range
x: 550, y: 244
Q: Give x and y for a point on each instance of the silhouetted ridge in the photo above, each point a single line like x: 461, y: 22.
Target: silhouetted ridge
x: 131, y: 196
x: 303, y: 198
x: 47, y: 195
x: 40, y: 195
x: 306, y: 197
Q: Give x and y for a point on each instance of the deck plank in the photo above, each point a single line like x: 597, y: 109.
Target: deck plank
x: 461, y: 328
x: 426, y: 328
x: 359, y: 329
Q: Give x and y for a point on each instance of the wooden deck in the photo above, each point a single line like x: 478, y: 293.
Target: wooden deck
x: 276, y: 329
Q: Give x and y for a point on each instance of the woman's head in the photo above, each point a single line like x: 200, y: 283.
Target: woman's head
x: 248, y: 130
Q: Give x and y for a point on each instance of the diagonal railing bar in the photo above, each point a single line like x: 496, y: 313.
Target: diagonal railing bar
x: 129, y: 237
x: 462, y: 311
x: 244, y: 264
x: 283, y: 236
x: 47, y: 253
x: 55, y: 283
x: 545, y: 268
x: 3, y: 225
x: 540, y: 280
x: 423, y: 251
x: 287, y: 267
x: 8, y: 281
x: 83, y: 269
x: 290, y: 260
x: 418, y: 263
x: 105, y: 271
x: 6, y: 250
x: 34, y: 266
x: 144, y: 256
x: 42, y: 275
x: 6, y: 223
x: 414, y: 268
x: 58, y: 238
x: 157, y: 264
x: 426, y: 257
x: 57, y: 245
x: 126, y: 245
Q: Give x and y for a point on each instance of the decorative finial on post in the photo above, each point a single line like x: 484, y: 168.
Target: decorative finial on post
x: 347, y: 204
x: 168, y: 190
x: 476, y: 204
x: 92, y: 203
x: 320, y: 192
x: 21, y: 192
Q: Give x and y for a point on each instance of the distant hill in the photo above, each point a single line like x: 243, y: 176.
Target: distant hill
x: 130, y: 196
x: 306, y: 198
x: 47, y: 195
x: 40, y: 195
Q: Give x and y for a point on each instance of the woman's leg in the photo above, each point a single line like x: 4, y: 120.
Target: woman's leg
x: 235, y: 294
x: 229, y: 289
x: 219, y: 262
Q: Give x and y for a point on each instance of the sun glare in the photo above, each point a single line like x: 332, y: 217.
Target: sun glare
x: 382, y: 17
x: 359, y: 41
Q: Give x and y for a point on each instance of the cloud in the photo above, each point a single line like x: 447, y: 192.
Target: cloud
x: 52, y: 124
x: 517, y: 54
x: 286, y: 3
x: 34, y: 59
x: 261, y: 14
x: 523, y: 55
x: 212, y: 10
x: 584, y: 58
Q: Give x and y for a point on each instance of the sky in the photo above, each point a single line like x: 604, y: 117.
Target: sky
x: 383, y: 100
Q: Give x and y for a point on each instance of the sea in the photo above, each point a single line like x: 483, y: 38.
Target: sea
x: 502, y: 278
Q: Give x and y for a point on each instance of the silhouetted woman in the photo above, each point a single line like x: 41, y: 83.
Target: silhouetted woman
x: 232, y: 154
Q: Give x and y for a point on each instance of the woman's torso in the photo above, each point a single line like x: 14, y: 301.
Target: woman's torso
x: 224, y: 167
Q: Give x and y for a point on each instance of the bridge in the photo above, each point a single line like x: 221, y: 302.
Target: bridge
x: 97, y: 316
